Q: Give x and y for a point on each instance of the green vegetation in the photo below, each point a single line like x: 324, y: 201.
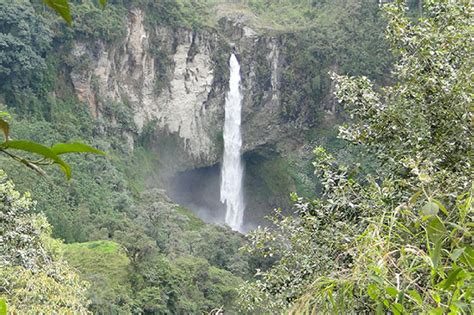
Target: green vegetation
x: 181, y: 285
x: 138, y: 251
x: 105, y: 265
x: 347, y: 38
x: 104, y: 247
x: 26, y: 38
x: 392, y: 234
x: 92, y: 22
x: 34, y: 277
x: 287, y: 13
x: 399, y: 239
x: 189, y: 14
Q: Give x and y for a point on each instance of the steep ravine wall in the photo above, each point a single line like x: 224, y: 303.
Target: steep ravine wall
x: 175, y: 80
x: 132, y: 70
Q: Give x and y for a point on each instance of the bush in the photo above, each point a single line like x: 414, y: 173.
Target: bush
x: 34, y: 277
x: 398, y: 240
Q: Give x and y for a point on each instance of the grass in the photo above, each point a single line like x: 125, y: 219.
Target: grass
x: 104, y: 247
x: 281, y: 16
x: 105, y: 265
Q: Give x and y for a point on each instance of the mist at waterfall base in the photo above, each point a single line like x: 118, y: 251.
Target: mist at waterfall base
x: 199, y: 190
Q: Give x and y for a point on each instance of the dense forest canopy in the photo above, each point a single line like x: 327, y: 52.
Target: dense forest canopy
x: 381, y: 217
x: 400, y: 239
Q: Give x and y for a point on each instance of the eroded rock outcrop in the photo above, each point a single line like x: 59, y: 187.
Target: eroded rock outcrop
x: 175, y: 80
x: 180, y: 61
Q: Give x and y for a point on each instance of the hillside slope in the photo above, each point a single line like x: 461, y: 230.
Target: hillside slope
x: 145, y: 81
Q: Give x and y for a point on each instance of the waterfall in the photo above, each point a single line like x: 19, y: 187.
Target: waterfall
x: 232, y: 166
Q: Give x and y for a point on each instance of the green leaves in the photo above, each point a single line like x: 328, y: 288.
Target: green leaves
x: 467, y: 256
x: 415, y: 296
x: 392, y: 291
x: 436, y: 230
x: 45, y: 152
x: 397, y: 308
x: 430, y: 208
x: 452, y: 277
x: 373, y: 291
x: 76, y: 147
x: 28, y: 233
x: 3, y: 307
x: 63, y: 9
x: 420, y: 131
x: 49, y: 155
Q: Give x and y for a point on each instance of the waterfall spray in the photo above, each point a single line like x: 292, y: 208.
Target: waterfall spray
x: 232, y: 166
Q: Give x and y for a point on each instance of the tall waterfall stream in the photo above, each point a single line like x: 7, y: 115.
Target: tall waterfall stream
x: 232, y: 167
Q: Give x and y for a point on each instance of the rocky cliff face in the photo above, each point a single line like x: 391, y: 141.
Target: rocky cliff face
x: 175, y: 80
x: 165, y: 75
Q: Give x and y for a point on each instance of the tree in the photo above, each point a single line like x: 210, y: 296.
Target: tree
x: 423, y: 123
x: 399, y: 240
x: 25, y: 38
x: 34, y: 278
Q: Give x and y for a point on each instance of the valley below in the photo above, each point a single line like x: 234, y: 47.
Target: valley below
x: 235, y: 157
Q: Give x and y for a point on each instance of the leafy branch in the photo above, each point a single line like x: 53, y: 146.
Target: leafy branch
x: 63, y: 9
x: 47, y: 155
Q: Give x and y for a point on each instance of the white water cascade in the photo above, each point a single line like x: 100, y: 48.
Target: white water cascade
x: 232, y: 167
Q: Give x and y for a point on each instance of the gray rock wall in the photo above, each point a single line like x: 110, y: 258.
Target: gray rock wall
x: 175, y: 80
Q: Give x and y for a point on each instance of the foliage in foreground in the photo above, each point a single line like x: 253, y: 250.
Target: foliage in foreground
x: 33, y: 277
x: 399, y: 240
x: 47, y: 155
